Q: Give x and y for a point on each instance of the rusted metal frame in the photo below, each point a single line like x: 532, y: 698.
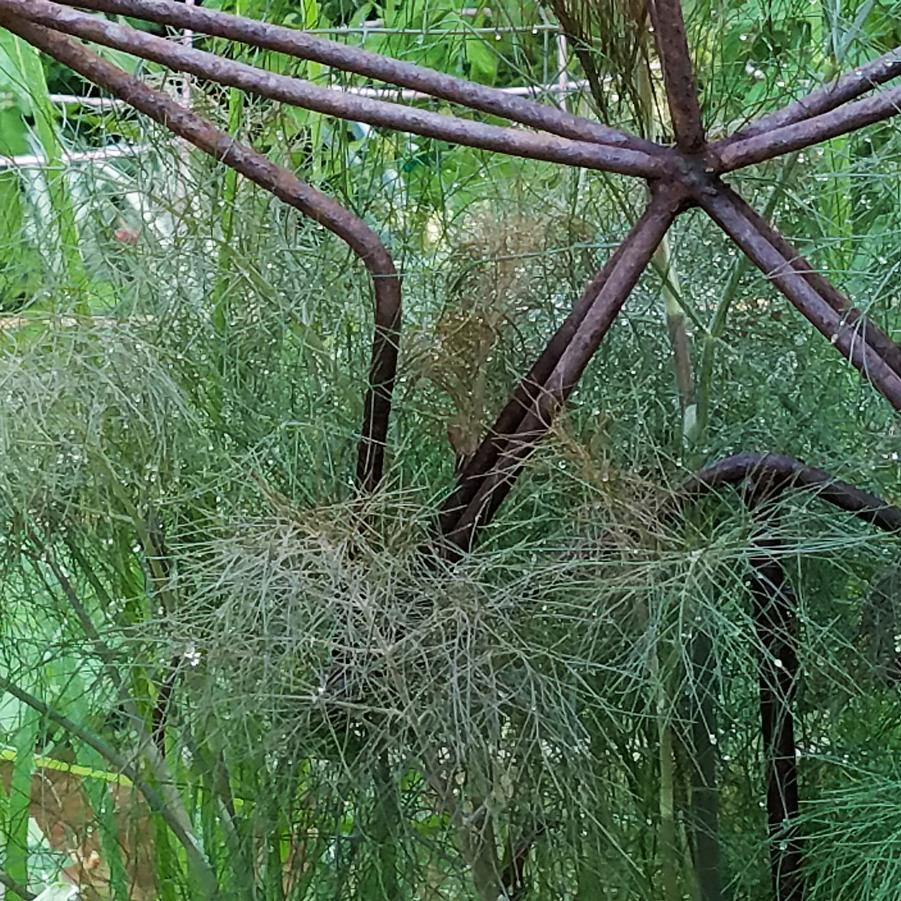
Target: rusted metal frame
x: 722, y: 208
x: 521, y: 400
x: 727, y: 156
x: 774, y: 615
x: 637, y: 250
x: 678, y: 74
x: 775, y: 623
x: 789, y: 472
x: 869, y: 332
x: 828, y: 97
x: 371, y: 65
x: 773, y: 611
x: 361, y: 239
x: 511, y: 141
x: 380, y: 390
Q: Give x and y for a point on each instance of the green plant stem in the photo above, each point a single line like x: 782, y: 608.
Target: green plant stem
x: 679, y: 342
x: 385, y: 829
x: 689, y: 868
x: 157, y: 803
x: 683, y: 369
x: 482, y: 859
x: 676, y: 327
x: 14, y: 815
x: 229, y: 199
x: 146, y: 745
x: 835, y: 199
x: 704, y: 802
x: 669, y: 852
x: 31, y: 72
x: 717, y: 325
x: 668, y: 848
x: 475, y: 836
x: 274, y: 872
x: 11, y: 885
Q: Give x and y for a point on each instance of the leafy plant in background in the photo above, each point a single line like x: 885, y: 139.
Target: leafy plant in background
x: 25, y: 90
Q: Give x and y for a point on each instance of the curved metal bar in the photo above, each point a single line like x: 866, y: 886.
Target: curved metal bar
x: 283, y: 184
x: 678, y: 74
x: 828, y: 97
x: 722, y: 208
x: 512, y: 141
x: 774, y: 614
x: 371, y: 65
x: 728, y: 155
x: 870, y: 333
x: 633, y: 257
x: 784, y: 472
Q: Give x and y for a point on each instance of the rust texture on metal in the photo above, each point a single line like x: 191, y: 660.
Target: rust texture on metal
x: 870, y: 333
x: 524, y: 395
x: 678, y: 74
x: 807, y: 132
x: 849, y: 86
x: 689, y: 167
x: 766, y: 478
x: 284, y: 185
x: 613, y: 285
x: 785, y: 473
x: 844, y: 335
x: 773, y: 610
x: 344, y: 105
x: 679, y: 176
x: 370, y: 65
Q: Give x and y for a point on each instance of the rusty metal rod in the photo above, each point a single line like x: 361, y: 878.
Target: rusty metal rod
x: 723, y: 209
x: 370, y: 65
x: 827, y: 97
x: 678, y: 74
x: 512, y: 141
x: 775, y: 621
x: 635, y: 253
x: 521, y: 401
x: 790, y: 473
x: 730, y: 155
x: 362, y: 240
x: 869, y: 332
x: 774, y: 605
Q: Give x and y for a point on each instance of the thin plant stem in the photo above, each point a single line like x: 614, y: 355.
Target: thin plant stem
x: 717, y: 326
x: 680, y: 342
x: 669, y: 851
x: 12, y: 886
x: 160, y: 804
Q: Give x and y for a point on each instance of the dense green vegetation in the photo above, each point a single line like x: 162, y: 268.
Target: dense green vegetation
x: 184, y: 552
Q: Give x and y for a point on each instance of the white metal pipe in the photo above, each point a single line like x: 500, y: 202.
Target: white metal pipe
x: 39, y: 161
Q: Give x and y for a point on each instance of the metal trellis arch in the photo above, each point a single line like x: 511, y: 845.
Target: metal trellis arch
x: 687, y: 174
